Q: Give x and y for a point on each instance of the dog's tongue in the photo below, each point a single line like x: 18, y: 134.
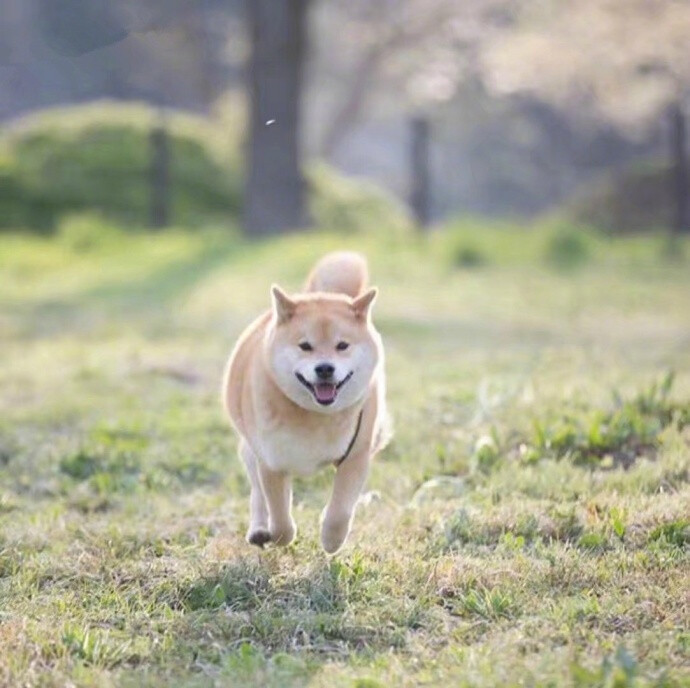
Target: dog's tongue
x: 324, y: 392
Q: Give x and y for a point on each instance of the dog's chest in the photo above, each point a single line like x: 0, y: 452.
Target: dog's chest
x: 304, y: 449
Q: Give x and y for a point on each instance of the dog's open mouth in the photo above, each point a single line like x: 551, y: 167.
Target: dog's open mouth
x: 325, y: 393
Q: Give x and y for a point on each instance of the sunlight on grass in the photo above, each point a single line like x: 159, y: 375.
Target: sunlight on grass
x: 528, y: 524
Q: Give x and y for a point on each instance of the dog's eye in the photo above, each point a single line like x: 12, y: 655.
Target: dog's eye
x: 306, y: 346
x: 341, y: 346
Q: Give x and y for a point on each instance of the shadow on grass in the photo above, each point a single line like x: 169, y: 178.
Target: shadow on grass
x: 317, y: 614
x: 162, y: 286
x: 151, y: 292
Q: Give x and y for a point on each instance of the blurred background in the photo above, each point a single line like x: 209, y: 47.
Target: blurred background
x: 262, y: 114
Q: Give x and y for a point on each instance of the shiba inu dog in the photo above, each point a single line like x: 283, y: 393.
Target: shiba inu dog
x: 304, y: 389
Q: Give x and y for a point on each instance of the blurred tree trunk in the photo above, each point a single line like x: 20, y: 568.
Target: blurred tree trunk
x: 274, y: 189
x: 680, y: 169
x: 420, y: 193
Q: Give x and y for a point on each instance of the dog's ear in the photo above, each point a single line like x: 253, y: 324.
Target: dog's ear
x: 283, y: 306
x: 362, y: 304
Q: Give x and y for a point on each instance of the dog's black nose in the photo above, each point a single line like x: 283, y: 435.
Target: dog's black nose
x: 324, y: 371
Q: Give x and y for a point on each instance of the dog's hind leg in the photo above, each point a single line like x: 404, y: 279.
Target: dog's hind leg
x: 258, y: 533
x: 277, y: 488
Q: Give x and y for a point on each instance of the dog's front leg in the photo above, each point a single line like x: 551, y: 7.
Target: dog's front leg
x: 337, y: 516
x: 258, y: 533
x: 277, y: 489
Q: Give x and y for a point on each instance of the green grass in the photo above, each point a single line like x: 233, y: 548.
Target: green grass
x: 528, y: 524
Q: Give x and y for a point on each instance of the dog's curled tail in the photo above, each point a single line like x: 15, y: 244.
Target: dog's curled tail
x: 342, y: 272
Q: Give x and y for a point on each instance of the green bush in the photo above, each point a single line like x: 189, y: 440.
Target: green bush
x: 567, y: 247
x: 468, y: 242
x: 85, y: 232
x: 98, y: 158
x: 467, y: 256
x: 95, y: 159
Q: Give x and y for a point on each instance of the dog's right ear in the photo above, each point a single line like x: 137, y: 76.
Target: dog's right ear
x: 283, y: 306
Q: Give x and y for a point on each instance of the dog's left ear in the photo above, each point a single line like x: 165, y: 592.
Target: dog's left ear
x: 362, y: 304
x: 283, y: 306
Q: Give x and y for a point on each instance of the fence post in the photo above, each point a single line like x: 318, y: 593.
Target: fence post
x: 420, y: 174
x: 160, y: 174
x: 680, y: 169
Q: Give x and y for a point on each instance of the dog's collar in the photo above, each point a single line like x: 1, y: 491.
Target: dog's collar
x: 352, y: 441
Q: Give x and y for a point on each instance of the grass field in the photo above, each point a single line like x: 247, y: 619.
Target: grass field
x: 529, y: 524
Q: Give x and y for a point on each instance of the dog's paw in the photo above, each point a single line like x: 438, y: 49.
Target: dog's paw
x: 258, y: 537
x: 334, y: 534
x: 283, y: 535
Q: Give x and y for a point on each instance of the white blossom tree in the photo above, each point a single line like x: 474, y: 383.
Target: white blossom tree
x: 420, y: 49
x: 625, y: 61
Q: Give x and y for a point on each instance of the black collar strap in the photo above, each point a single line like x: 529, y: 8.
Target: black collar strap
x: 352, y: 441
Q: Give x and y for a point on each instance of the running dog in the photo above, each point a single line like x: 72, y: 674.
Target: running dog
x: 304, y: 389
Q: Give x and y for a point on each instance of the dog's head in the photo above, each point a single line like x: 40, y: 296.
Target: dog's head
x: 322, y: 349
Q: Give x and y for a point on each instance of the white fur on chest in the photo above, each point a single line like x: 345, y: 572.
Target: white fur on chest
x: 301, y: 451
